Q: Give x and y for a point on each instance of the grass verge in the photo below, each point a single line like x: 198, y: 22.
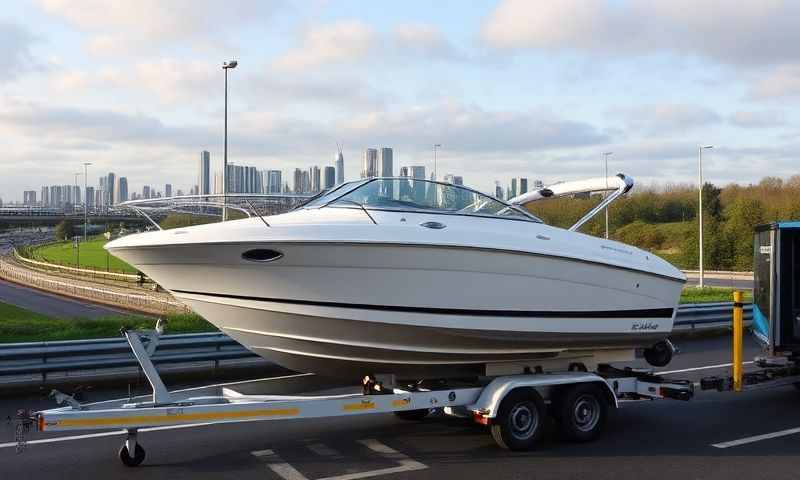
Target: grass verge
x: 20, y: 325
x: 92, y: 255
x: 711, y: 294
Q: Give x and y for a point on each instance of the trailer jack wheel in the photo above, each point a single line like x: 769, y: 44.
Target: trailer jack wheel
x: 125, y: 451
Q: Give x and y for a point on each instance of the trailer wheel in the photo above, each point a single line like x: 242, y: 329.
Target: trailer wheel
x: 127, y: 460
x: 520, y: 420
x: 413, y: 415
x: 582, y: 411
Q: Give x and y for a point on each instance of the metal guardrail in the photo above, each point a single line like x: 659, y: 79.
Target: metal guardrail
x: 65, y: 356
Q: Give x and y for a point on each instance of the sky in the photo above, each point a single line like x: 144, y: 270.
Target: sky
x: 533, y: 88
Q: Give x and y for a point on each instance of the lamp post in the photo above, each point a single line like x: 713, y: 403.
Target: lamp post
x: 85, y: 200
x: 226, y: 66
x: 700, y: 210
x: 605, y: 157
x: 77, y: 197
x: 435, y: 146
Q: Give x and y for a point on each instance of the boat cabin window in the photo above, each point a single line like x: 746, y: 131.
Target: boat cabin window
x: 409, y: 194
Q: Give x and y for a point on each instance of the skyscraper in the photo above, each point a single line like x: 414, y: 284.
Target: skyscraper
x: 121, y: 190
x: 274, y: 181
x: 330, y: 177
x: 168, y: 190
x: 369, y: 163
x: 204, y: 179
x: 522, y: 185
x: 89, y: 197
x: 314, y: 176
x: 146, y: 191
x: 111, y: 183
x: 385, y: 162
x: 513, y: 188
x: 298, y: 180
x: 498, y: 190
x: 29, y: 198
x: 45, y: 197
x: 339, y: 167
x: 305, y: 182
x: 417, y: 171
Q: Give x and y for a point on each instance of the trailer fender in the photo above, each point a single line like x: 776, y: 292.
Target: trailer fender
x: 489, y: 400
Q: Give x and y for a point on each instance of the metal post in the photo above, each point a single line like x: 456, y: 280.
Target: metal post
x: 700, y: 211
x: 605, y: 155
x: 225, y: 156
x: 737, y: 340
x: 85, y: 200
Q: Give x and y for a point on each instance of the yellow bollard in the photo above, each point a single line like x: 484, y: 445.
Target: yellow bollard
x: 737, y: 340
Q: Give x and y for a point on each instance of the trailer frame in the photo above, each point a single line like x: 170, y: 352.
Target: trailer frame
x: 513, y: 406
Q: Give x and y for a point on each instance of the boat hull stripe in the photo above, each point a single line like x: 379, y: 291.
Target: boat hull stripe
x: 638, y: 313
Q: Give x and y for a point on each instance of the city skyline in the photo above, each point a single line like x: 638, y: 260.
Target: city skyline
x: 492, y: 81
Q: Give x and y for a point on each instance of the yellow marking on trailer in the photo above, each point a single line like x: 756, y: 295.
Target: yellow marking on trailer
x: 403, y: 402
x: 184, y: 417
x: 362, y: 405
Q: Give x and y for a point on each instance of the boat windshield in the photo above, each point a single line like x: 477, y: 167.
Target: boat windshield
x: 410, y: 194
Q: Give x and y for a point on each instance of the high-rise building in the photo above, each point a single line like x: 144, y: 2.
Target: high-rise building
x: 121, y: 191
x: 274, y: 183
x: 513, y: 188
x: 217, y: 182
x: 454, y: 179
x: 369, y: 163
x: 45, y: 197
x: 385, y: 162
x: 330, y: 177
x: 29, y: 198
x: 404, y: 172
x: 168, y: 190
x: 204, y: 178
x: 111, y: 183
x: 314, y: 177
x: 88, y: 199
x: 146, y: 191
x: 98, y: 198
x: 417, y: 171
x: 498, y: 190
x: 305, y: 182
x: 298, y: 180
x: 538, y: 184
x: 339, y: 167
x: 522, y: 185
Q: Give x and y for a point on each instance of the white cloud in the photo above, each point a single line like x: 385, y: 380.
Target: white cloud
x: 15, y: 51
x: 782, y: 82
x: 667, y: 117
x: 123, y: 26
x: 757, y: 119
x: 756, y: 32
x: 424, y: 40
x: 337, y: 43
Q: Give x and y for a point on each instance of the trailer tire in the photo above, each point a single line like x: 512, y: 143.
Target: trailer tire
x: 581, y: 411
x: 413, y: 415
x: 520, y: 420
x: 127, y: 460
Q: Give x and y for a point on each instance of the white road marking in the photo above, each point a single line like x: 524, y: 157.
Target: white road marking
x: 756, y: 438
x: 694, y: 369
x: 277, y: 465
x: 288, y: 472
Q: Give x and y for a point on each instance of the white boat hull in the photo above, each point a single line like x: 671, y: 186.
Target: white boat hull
x: 349, y: 309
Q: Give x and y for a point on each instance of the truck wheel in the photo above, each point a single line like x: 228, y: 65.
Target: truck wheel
x: 520, y: 420
x: 582, y: 411
x: 413, y: 415
x: 127, y: 460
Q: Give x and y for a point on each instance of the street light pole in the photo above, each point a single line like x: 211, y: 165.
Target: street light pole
x: 700, y: 210
x: 85, y: 200
x: 226, y: 66
x: 435, y: 146
x: 605, y: 156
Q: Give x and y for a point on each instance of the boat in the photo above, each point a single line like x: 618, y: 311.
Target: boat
x: 418, y: 279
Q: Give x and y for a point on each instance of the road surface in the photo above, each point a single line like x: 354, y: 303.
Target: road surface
x: 52, y: 305
x: 716, y: 435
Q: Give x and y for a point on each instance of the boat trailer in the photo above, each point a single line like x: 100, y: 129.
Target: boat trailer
x: 512, y: 406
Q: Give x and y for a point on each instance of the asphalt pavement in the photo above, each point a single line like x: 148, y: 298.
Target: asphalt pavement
x: 52, y: 305
x: 742, y: 284
x: 652, y: 439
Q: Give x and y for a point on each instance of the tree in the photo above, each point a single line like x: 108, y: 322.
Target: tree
x: 64, y: 230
